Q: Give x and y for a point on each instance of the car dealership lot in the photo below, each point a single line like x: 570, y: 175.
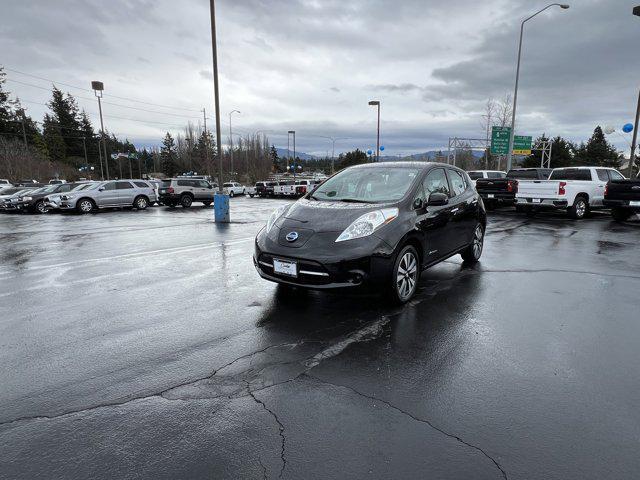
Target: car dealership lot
x: 144, y: 344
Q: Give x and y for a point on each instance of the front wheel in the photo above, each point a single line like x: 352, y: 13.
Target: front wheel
x: 406, y: 272
x: 141, y: 203
x: 473, y: 252
x: 231, y: 194
x: 85, y: 206
x: 207, y: 203
x: 40, y: 207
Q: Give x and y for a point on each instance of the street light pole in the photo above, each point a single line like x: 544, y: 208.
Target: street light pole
x: 231, y: 139
x: 294, y: 152
x: 377, y: 103
x: 636, y: 11
x: 98, y: 87
x: 220, y: 200
x: 515, y: 91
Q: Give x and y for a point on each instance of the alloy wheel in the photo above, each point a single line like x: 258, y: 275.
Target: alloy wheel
x: 86, y: 206
x: 581, y: 208
x: 407, y: 275
x: 142, y: 204
x: 478, y: 241
x: 41, y: 207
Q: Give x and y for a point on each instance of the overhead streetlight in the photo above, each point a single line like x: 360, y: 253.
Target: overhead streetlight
x: 98, y: 87
x: 376, y: 103
x: 333, y: 148
x: 564, y: 6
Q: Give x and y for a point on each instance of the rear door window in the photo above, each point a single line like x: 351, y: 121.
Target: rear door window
x: 571, y: 174
x: 123, y: 185
x: 141, y: 185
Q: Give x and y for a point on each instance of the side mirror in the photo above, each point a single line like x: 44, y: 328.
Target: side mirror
x: 437, y: 199
x: 101, y: 189
x: 418, y: 203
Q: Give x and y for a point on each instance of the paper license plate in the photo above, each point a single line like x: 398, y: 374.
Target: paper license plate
x: 634, y: 203
x: 285, y: 267
x: 491, y: 195
x: 535, y: 200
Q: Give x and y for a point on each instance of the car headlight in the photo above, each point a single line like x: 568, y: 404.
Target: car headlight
x: 275, y: 215
x: 368, y: 223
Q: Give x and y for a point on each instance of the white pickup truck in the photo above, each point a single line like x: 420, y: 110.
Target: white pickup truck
x: 233, y: 188
x: 574, y: 189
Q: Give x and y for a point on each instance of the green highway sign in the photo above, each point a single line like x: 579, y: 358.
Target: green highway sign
x: 500, y: 140
x: 521, y: 145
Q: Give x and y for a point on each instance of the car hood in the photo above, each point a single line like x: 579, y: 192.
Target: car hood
x: 321, y: 216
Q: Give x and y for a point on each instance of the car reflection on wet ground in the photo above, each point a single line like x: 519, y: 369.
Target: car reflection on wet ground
x: 144, y: 344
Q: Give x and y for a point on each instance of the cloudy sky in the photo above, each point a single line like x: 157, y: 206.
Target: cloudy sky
x: 312, y: 66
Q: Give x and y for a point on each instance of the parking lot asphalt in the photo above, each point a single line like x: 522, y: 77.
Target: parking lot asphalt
x: 143, y: 344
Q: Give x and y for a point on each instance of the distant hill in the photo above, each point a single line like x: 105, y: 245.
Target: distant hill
x: 282, y: 153
x: 428, y: 156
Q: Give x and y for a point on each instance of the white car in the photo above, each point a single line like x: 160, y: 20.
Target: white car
x: 476, y: 174
x: 233, y: 188
x: 4, y: 182
x: 574, y: 189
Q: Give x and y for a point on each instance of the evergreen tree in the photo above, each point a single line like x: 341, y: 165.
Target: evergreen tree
x: 55, y: 146
x: 66, y: 116
x: 354, y: 157
x: 168, y: 154
x: 598, y: 151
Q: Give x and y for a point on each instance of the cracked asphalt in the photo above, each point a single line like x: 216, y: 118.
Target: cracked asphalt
x: 144, y: 345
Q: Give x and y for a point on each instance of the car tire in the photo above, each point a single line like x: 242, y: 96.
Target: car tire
x: 251, y: 195
x: 473, y: 252
x: 85, y: 205
x: 579, y: 209
x: 244, y: 192
x: 620, y: 214
x: 207, y: 203
x: 141, y: 203
x: 40, y: 207
x: 405, y: 275
x: 186, y: 201
x: 231, y: 193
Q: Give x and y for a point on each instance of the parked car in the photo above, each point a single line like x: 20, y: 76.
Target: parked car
x: 576, y: 190
x: 265, y: 189
x: 34, y: 201
x: 5, y: 183
x: 233, y: 188
x: 477, y: 174
x: 52, y: 201
x: 305, y: 186
x: 9, y: 198
x: 251, y: 191
x: 502, y: 191
x: 622, y: 196
x: 56, y: 181
x: 114, y: 193
x: 373, y: 224
x: 184, y: 191
x: 285, y: 188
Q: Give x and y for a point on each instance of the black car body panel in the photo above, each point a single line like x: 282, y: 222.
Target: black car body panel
x: 437, y: 232
x: 503, y: 190
x: 623, y: 194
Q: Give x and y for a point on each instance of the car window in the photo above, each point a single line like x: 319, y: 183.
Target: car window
x: 602, y: 175
x: 475, y: 175
x: 141, y: 185
x: 615, y: 175
x: 522, y: 174
x: 458, y: 184
x: 495, y: 175
x: 571, y: 174
x: 123, y: 185
x: 436, y: 181
x: 109, y: 186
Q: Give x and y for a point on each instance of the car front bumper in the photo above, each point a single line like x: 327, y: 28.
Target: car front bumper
x: 323, y: 264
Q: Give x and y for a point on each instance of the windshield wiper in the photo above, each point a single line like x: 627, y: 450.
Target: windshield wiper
x: 354, y: 200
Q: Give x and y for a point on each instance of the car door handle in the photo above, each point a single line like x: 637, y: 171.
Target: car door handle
x: 454, y: 210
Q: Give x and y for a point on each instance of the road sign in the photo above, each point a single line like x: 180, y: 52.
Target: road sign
x: 521, y: 145
x: 500, y: 140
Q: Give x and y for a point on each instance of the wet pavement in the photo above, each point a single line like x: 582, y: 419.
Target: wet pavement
x: 144, y: 345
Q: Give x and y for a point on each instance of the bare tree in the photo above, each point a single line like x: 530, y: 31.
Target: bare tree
x: 488, y: 118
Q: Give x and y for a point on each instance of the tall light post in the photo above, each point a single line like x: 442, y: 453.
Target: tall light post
x: 376, y: 103
x: 98, y: 87
x: 636, y: 11
x: 220, y: 200
x: 293, y: 132
x: 333, y: 149
x: 231, y: 138
x: 515, y: 92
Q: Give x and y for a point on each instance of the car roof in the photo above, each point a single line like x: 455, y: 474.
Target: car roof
x: 404, y: 164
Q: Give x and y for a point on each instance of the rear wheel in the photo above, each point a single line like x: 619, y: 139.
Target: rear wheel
x: 186, y: 201
x: 473, y: 252
x: 579, y: 208
x: 85, y: 205
x: 231, y: 193
x: 620, y: 214
x: 141, y: 203
x: 40, y: 207
x: 207, y: 203
x: 406, y: 272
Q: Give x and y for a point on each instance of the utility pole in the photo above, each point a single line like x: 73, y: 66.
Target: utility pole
x: 84, y: 146
x: 231, y: 139
x: 294, y: 151
x: 376, y: 103
x: 206, y: 141
x: 24, y: 132
x: 221, y: 201
x: 634, y: 139
x: 98, y: 87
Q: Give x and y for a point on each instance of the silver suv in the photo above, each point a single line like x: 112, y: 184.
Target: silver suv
x: 115, y: 193
x: 185, y: 191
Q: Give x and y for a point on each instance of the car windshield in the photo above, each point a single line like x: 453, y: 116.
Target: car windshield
x: 367, y: 185
x: 48, y: 189
x: 522, y: 174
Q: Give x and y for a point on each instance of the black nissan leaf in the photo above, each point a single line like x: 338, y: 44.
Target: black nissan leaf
x: 377, y: 224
